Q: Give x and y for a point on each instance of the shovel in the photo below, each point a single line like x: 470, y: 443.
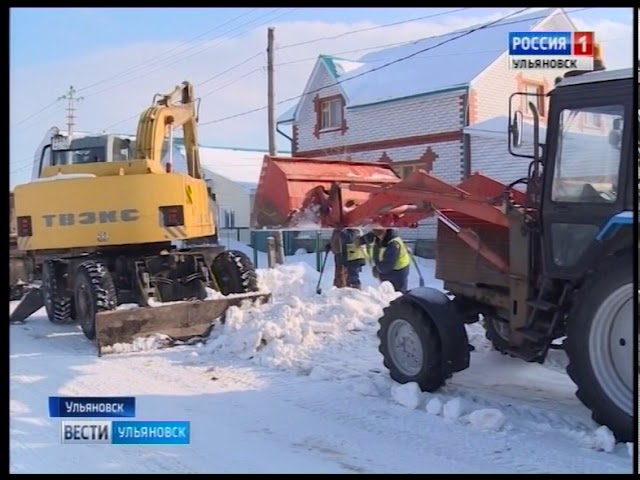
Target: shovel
x: 324, y: 262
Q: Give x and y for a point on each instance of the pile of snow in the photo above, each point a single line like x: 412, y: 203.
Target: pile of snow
x: 300, y: 325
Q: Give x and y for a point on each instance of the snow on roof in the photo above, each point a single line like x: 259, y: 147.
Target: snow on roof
x: 497, y: 127
x: 288, y: 116
x: 340, y: 66
x: 446, y: 66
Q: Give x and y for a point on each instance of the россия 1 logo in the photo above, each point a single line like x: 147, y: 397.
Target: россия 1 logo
x: 551, y: 50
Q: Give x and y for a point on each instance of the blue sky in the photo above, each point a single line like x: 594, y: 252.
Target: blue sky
x: 52, y: 48
x: 78, y: 31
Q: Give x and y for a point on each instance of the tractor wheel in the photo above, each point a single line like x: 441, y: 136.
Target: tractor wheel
x: 94, y: 293
x: 234, y: 273
x: 58, y: 301
x: 497, y: 332
x: 410, y: 346
x: 600, y: 346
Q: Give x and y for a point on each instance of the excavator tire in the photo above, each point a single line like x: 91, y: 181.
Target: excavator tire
x: 600, y: 346
x: 410, y: 346
x: 94, y: 292
x: 234, y: 273
x: 57, y: 300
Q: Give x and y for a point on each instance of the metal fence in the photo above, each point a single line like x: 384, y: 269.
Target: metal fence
x: 294, y: 242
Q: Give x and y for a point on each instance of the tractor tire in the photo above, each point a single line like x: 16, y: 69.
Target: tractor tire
x: 403, y: 325
x: 94, y: 292
x: 600, y: 345
x: 57, y: 300
x: 234, y: 273
x: 497, y: 332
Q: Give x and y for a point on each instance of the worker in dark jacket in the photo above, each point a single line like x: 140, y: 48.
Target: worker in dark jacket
x: 390, y: 257
x: 349, y: 257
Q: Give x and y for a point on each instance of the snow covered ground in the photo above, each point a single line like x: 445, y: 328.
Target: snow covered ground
x: 298, y: 386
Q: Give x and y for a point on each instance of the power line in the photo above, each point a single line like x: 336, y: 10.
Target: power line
x: 146, y: 74
x: 375, y: 69
x: 43, y: 109
x: 368, y: 29
x: 46, y: 107
x: 163, y: 56
x: 146, y: 63
x: 244, y: 62
x: 222, y: 87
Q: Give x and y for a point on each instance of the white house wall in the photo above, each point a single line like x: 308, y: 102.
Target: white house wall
x: 380, y: 129
x: 491, y: 157
x: 231, y: 196
x: 490, y: 90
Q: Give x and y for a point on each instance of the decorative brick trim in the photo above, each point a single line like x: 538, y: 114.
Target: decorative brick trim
x: 464, y: 118
x: 521, y: 84
x: 384, y: 158
x: 473, y: 106
x: 317, y: 107
x: 294, y: 143
x: 452, y: 136
x: 427, y: 159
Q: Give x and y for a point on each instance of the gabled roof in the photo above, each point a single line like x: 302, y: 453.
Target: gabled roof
x: 336, y: 67
x: 446, y: 66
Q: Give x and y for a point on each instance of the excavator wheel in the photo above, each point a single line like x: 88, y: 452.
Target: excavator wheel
x: 410, y: 345
x: 57, y: 300
x: 94, y: 292
x: 234, y: 273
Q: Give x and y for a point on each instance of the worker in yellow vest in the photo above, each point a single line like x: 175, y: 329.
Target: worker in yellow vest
x: 389, y: 257
x: 350, y: 256
x: 354, y: 254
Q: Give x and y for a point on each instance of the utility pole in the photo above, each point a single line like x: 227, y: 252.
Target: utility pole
x: 270, y: 94
x: 71, y: 108
x: 271, y: 120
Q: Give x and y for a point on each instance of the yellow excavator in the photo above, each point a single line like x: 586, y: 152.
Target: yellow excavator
x: 109, y: 222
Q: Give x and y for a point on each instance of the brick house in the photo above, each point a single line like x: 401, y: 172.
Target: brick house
x: 414, y: 113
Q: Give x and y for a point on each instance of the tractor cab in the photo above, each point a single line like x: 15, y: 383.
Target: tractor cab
x: 581, y: 173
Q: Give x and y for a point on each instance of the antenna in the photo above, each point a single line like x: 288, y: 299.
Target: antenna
x: 71, y: 108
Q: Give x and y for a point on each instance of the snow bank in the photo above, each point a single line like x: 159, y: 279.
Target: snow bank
x: 294, y: 330
x: 407, y: 395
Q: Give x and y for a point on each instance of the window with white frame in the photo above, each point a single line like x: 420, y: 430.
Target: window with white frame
x: 330, y: 114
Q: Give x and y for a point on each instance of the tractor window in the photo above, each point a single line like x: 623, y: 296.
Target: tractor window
x: 588, y: 155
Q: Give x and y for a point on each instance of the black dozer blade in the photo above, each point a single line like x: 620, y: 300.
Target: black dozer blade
x: 30, y: 304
